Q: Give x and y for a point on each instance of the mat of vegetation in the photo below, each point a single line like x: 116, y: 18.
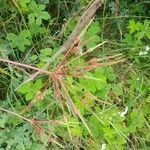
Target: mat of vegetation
x: 74, y: 74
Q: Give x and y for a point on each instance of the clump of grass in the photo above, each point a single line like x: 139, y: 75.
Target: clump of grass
x: 87, y: 93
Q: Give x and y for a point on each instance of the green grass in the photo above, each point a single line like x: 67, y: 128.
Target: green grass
x: 95, y: 97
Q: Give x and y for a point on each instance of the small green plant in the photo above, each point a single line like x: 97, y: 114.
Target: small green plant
x: 34, y: 87
x: 19, y: 41
x: 79, y: 100
x: 138, y: 32
x: 37, y: 13
x: 43, y: 57
x: 93, y: 34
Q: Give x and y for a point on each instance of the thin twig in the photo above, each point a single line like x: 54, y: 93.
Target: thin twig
x: 25, y: 66
x: 15, y: 114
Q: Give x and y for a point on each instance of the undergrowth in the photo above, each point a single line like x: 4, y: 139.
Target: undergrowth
x: 93, y: 96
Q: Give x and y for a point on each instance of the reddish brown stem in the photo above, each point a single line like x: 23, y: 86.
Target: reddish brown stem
x: 25, y: 66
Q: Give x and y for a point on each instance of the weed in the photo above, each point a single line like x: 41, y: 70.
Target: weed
x: 90, y: 93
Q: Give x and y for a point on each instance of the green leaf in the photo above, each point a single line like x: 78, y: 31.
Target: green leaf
x: 92, y: 34
x: 3, y: 120
x: 95, y: 126
x: 139, y: 35
x: 133, y: 26
x: 75, y: 128
x: 23, y: 4
x: 33, y: 57
x: 94, y: 81
x: 36, y: 29
x: 117, y: 89
x: 37, y: 13
x: 4, y: 7
x: 29, y: 95
x: 128, y: 39
x: 37, y: 85
x: 135, y: 121
x: 46, y: 51
x: 45, y: 15
x: 70, y: 25
x: 29, y: 89
x: 78, y: 104
x: 36, y: 146
x: 109, y: 73
x: 103, y: 92
x: 99, y: 72
x: 45, y: 54
x: 146, y: 27
x: 145, y: 109
x: 147, y: 34
x: 24, y: 88
x: 20, y: 41
x: 93, y: 29
x: 146, y: 24
x: 88, y: 84
x: 101, y: 81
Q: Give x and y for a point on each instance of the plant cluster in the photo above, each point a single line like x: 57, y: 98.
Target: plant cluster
x: 93, y: 96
